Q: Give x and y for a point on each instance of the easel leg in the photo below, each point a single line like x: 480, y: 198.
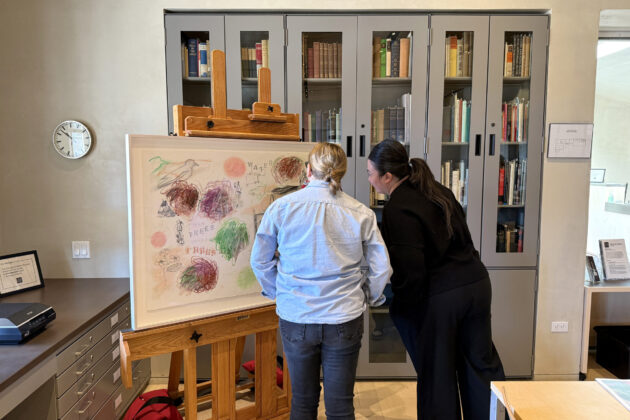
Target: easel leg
x: 190, y: 383
x: 174, y: 373
x: 265, y: 380
x: 223, y: 380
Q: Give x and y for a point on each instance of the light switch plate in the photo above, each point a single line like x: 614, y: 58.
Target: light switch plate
x: 80, y: 249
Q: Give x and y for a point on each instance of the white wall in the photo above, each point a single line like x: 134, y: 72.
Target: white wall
x: 103, y: 63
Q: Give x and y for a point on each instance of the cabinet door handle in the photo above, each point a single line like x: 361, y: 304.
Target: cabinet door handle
x: 477, y: 144
x: 86, y: 407
x: 491, y: 145
x: 362, y: 145
x: 349, y: 146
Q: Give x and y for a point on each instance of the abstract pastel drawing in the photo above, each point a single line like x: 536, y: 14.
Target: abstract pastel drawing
x: 201, y: 276
x: 288, y: 169
x: 182, y: 197
x: 218, y: 200
x: 232, y: 238
x: 180, y: 173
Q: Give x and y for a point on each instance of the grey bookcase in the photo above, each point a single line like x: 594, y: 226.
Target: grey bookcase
x: 341, y: 103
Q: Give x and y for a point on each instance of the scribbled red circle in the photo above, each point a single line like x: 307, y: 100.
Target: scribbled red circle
x: 234, y: 167
x: 182, y: 197
x: 158, y: 239
x: 287, y: 169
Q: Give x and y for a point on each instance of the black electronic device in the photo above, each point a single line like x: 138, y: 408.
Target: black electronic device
x: 19, y: 321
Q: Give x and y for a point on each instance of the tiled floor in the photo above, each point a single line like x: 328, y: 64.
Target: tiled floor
x: 391, y: 400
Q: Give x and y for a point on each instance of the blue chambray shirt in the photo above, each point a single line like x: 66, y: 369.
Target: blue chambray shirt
x: 322, y: 240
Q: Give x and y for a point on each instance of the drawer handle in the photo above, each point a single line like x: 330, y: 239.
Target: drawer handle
x: 83, y: 348
x: 86, y: 407
x: 85, y: 388
x: 84, y: 368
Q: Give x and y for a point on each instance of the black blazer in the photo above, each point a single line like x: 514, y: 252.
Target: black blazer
x: 425, y: 260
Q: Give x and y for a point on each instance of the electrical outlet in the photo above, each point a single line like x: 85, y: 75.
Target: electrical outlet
x: 559, y: 326
x: 80, y: 249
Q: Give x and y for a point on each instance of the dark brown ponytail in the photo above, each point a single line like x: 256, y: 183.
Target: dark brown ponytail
x: 391, y: 156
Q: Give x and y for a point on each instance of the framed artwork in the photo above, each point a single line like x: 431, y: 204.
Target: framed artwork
x: 20, y: 272
x: 598, y: 175
x: 194, y: 207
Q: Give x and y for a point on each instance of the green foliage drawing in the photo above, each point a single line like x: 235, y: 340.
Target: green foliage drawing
x: 231, y: 239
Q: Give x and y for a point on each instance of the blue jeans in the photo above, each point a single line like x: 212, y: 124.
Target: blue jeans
x: 334, y: 347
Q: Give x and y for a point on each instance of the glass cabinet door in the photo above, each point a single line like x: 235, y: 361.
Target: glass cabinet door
x: 457, y: 110
x: 189, y: 41
x: 392, y: 57
x: 391, y: 92
x: 514, y: 138
x: 321, y: 81
x: 253, y: 42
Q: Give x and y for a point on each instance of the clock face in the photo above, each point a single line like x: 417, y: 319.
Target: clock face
x: 72, y: 139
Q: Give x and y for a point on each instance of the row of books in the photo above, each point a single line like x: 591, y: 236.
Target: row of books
x: 456, y: 120
x: 515, y: 117
x: 252, y: 59
x: 458, y: 55
x: 322, y: 126
x: 195, y: 58
x: 509, y: 237
x: 377, y: 199
x: 517, y: 56
x: 322, y: 60
x: 454, y: 176
x: 512, y: 176
x: 392, y: 122
x: 390, y: 56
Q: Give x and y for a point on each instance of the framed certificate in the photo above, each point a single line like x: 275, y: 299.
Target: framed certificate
x: 20, y: 272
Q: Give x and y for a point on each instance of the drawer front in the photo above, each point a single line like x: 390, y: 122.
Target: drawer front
x: 83, y: 365
x: 83, y: 385
x: 83, y: 344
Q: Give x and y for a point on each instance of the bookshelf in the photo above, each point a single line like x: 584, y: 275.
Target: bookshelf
x: 356, y: 79
x: 490, y: 155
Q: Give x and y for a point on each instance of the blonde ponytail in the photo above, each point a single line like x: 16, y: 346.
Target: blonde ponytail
x: 328, y: 163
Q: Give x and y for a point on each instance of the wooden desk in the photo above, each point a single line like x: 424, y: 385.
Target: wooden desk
x: 541, y: 400
x: 78, y: 303
x: 610, y: 286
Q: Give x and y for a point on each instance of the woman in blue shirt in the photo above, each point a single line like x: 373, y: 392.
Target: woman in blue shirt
x: 321, y: 235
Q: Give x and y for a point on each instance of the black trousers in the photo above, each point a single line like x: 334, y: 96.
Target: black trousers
x: 449, y: 339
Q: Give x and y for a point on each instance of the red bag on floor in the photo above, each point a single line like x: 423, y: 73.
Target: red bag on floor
x: 154, y: 405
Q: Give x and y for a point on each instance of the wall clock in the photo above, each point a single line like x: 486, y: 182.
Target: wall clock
x: 72, y: 139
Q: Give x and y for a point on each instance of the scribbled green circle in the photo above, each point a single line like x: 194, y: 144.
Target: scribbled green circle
x: 232, y: 238
x: 246, y: 278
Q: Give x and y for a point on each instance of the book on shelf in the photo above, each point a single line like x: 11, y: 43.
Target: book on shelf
x: 388, y: 57
x: 265, y: 53
x: 203, y: 59
x: 395, y: 70
x: 376, y: 57
x: 509, y: 237
x: 383, y: 54
x: 591, y: 269
x: 392, y: 122
x: 456, y: 120
x: 193, y: 69
x: 614, y: 259
x: 458, y: 55
x: 259, y: 59
x: 310, y: 64
x: 618, y: 388
x: 512, y: 181
x: 454, y: 176
x: 324, y: 59
x: 322, y: 126
x: 516, y: 59
x: 515, y: 119
x: 405, y: 45
x: 316, y: 60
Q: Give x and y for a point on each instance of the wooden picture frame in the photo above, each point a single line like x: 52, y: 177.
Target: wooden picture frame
x: 20, y: 272
x: 184, y: 194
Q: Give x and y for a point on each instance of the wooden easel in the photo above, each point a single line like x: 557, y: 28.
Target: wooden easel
x: 226, y: 333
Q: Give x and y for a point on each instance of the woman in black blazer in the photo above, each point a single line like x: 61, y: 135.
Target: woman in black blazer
x: 442, y: 293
